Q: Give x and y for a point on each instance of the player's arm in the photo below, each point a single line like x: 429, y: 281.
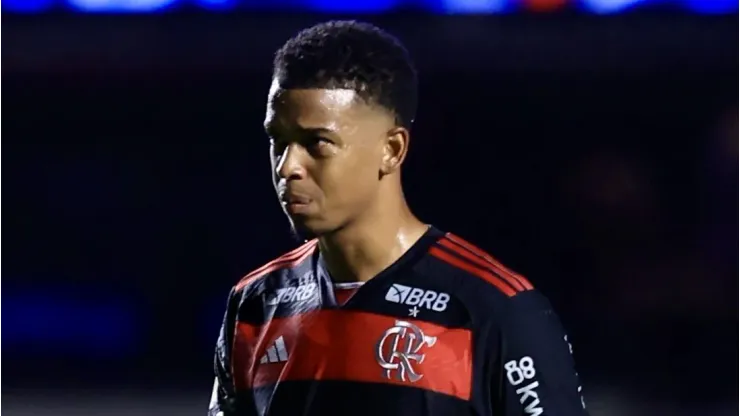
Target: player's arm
x: 536, y: 373
x: 223, y: 398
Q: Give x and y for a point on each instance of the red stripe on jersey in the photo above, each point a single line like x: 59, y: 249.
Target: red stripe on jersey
x: 472, y: 269
x: 521, y: 279
x: 287, y: 260
x: 480, y: 262
x: 351, y: 346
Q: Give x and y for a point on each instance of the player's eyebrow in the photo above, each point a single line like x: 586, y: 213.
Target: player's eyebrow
x: 273, y: 130
x: 316, y: 130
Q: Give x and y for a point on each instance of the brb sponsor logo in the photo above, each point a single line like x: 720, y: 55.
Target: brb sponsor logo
x: 421, y: 298
x: 292, y: 294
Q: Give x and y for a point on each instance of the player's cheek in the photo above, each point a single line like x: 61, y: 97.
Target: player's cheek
x: 348, y: 182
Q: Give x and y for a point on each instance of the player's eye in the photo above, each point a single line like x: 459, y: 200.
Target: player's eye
x: 318, y: 145
x: 317, y: 140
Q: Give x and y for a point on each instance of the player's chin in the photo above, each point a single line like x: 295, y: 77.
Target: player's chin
x: 311, y: 226
x: 307, y: 227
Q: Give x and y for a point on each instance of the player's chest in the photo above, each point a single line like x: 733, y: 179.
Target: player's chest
x: 401, y: 299
x: 395, y: 334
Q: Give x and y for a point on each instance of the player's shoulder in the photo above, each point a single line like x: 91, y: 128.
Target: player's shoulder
x: 492, y: 292
x: 289, y: 261
x: 477, y: 272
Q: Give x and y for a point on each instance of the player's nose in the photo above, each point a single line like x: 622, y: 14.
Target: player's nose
x: 290, y: 166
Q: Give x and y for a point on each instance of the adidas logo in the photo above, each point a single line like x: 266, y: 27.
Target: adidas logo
x: 276, y: 353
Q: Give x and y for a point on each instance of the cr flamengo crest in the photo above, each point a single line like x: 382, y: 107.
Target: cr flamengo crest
x: 399, y: 348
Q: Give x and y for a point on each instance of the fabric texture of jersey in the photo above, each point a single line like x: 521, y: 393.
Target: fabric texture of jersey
x: 445, y: 330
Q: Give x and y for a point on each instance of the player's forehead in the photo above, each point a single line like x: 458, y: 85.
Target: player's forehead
x: 310, y: 107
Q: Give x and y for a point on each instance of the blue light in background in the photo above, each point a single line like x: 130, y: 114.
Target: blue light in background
x: 609, y: 6
x: 68, y: 322
x: 712, y: 6
x: 469, y: 6
x: 218, y: 4
x: 120, y: 6
x: 351, y: 6
x: 27, y: 6
x: 360, y: 6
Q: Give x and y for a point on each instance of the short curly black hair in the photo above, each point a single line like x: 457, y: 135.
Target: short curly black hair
x: 353, y: 55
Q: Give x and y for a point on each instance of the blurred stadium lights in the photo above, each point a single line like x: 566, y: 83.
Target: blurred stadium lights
x: 353, y: 6
x: 468, y: 6
x: 545, y: 5
x: 120, y: 6
x: 27, y: 6
x: 712, y: 7
x: 366, y: 6
x: 610, y: 6
x: 71, y: 321
x: 218, y: 4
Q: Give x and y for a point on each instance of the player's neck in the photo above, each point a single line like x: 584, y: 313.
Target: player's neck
x: 369, y: 245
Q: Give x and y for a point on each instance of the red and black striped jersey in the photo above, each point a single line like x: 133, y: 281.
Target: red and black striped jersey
x: 445, y: 330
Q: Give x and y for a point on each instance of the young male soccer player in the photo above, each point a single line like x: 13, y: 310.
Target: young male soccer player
x: 378, y: 314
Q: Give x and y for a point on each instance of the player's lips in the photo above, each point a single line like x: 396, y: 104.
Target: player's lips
x: 294, y: 203
x: 293, y: 198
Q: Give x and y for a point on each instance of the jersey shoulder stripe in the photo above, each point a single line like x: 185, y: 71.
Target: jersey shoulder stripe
x: 465, y: 265
x: 485, y: 260
x: 464, y: 259
x: 285, y: 261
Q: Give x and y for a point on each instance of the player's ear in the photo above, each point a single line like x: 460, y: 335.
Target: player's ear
x: 395, y: 148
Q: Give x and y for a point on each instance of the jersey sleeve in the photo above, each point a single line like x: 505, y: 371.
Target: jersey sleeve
x: 536, y: 371
x: 223, y: 398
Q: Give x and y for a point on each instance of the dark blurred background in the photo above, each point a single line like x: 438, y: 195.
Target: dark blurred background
x: 596, y: 154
